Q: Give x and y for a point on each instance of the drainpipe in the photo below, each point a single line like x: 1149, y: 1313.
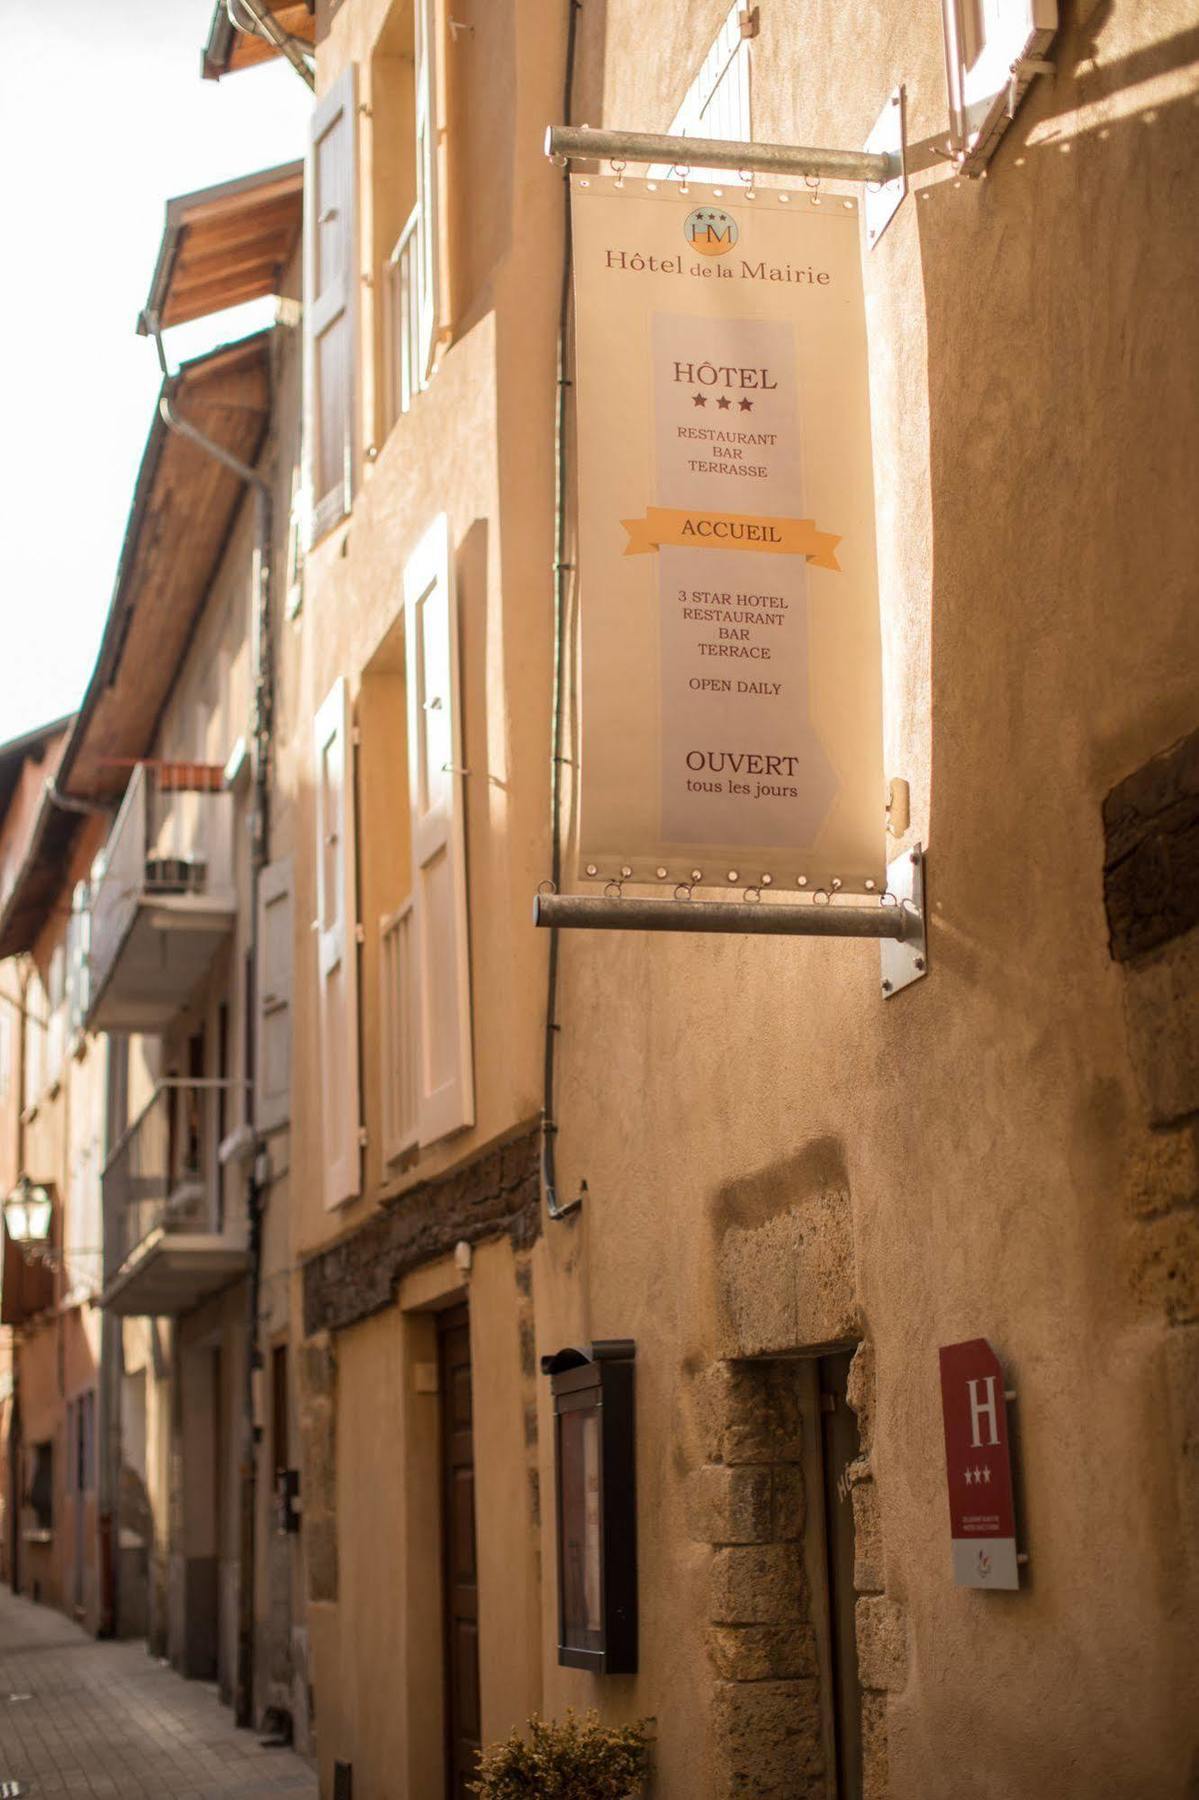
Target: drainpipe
x: 264, y: 24
x: 261, y: 726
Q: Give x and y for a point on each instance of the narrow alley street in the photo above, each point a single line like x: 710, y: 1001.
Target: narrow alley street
x: 82, y: 1717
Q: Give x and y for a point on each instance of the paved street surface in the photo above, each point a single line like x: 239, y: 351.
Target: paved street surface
x: 79, y: 1717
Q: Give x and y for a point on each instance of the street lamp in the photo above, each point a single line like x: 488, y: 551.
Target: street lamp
x: 27, y: 1214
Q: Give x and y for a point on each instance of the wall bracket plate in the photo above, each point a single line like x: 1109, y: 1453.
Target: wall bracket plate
x: 889, y: 136
x: 905, y: 959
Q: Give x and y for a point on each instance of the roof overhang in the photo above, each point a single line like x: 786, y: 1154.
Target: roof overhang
x: 184, y: 506
x: 222, y: 246
x: 228, y: 49
x: 31, y: 746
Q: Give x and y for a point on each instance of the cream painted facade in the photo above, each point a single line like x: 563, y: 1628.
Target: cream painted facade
x: 777, y: 1163
x: 791, y: 1192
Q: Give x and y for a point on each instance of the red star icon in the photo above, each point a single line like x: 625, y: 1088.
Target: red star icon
x: 747, y: 406
x: 724, y: 403
x: 700, y: 399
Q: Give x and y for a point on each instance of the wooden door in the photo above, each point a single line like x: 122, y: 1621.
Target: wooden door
x: 840, y: 1448
x: 461, y: 1623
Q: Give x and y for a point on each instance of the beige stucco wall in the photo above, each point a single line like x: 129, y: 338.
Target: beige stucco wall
x: 775, y: 1157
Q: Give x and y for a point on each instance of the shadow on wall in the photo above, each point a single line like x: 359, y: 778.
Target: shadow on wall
x: 1062, y: 496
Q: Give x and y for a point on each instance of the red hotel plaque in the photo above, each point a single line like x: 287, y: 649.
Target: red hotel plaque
x: 979, y: 1467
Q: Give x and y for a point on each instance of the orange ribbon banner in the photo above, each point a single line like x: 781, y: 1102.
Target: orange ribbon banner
x: 685, y: 528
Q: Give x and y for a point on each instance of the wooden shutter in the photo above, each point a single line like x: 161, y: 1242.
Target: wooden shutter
x: 716, y: 105
x: 56, y: 1034
x: 78, y: 962
x: 273, y: 1074
x: 988, y: 46
x: 444, y: 1075
x: 337, y: 945
x: 431, y: 294
x: 35, y: 1025
x: 331, y: 301
x: 400, y: 1026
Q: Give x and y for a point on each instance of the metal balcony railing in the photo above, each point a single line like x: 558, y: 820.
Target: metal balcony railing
x: 164, y: 1170
x: 173, y: 837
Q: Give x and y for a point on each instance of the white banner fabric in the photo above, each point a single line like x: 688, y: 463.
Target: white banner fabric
x: 731, y: 680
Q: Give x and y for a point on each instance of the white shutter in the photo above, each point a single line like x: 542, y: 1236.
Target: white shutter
x: 988, y: 44
x: 273, y: 1074
x: 444, y: 1077
x: 331, y: 301
x: 337, y: 945
x: 400, y: 1026
x: 428, y: 189
x: 35, y: 1041
x: 78, y: 960
x: 716, y: 105
x: 56, y: 1035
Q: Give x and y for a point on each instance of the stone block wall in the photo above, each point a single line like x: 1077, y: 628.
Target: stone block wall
x: 747, y: 1502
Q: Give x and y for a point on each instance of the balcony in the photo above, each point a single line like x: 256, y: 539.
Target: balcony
x: 164, y: 899
x: 166, y: 1245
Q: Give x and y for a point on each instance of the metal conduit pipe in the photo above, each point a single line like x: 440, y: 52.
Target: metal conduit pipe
x: 261, y: 726
x: 564, y: 141
x: 558, y: 1209
x: 747, y: 918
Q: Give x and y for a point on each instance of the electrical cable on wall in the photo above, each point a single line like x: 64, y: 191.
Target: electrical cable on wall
x: 549, y: 1127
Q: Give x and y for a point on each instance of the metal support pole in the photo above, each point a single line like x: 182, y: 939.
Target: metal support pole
x: 757, y: 918
x: 899, y: 927
x: 566, y: 141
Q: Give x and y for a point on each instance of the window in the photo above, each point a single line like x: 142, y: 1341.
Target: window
x: 273, y: 1095
x: 81, y: 1439
x: 337, y: 943
x: 988, y: 44
x: 41, y: 1486
x: 408, y: 139
x: 398, y: 1026
x: 35, y: 1041
x: 78, y: 965
x: 445, y: 1099
x: 81, y: 1219
x: 279, y: 1424
x: 716, y: 105
x: 56, y: 1031
x: 330, y: 302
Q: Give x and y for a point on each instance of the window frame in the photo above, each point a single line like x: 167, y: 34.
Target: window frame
x: 986, y: 91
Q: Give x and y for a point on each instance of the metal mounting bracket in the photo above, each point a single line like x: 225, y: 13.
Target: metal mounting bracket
x: 905, y: 960
x: 899, y: 926
x: 562, y: 142
x: 888, y: 138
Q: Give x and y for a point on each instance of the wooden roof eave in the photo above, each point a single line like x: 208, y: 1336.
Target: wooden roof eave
x: 184, y: 506
x: 210, y: 236
x: 227, y: 50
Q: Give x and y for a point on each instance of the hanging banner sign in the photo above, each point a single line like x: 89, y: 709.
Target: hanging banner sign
x: 731, y: 680
x: 982, y: 1511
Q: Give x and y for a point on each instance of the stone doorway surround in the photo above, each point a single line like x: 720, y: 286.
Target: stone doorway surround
x: 785, y: 1292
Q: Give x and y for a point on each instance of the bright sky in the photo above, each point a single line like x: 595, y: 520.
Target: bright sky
x: 103, y: 117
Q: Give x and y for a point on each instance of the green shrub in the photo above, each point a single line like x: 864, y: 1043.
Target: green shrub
x: 565, y: 1759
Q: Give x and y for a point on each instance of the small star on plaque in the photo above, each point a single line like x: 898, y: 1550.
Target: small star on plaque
x: 724, y: 403
x: 700, y: 399
x: 747, y: 406
x: 986, y: 1474
x: 969, y: 1477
